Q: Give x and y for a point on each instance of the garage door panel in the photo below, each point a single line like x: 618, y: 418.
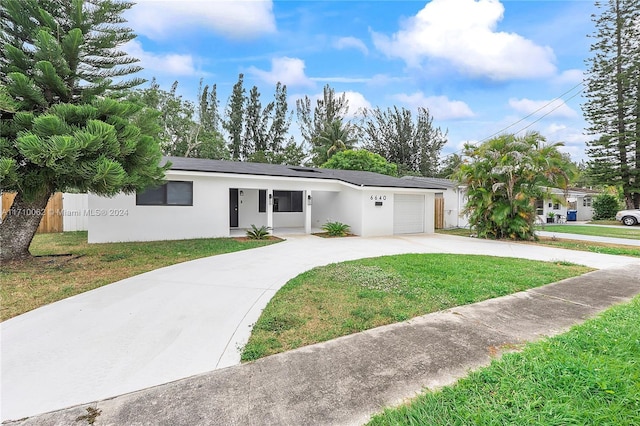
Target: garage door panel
x: 408, y: 213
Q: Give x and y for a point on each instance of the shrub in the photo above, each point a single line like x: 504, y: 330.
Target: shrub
x: 605, y: 207
x: 336, y: 229
x: 255, y: 233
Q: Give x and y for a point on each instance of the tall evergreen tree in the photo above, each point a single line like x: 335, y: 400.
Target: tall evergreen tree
x: 281, y: 120
x: 313, y: 121
x: 256, y: 121
x: 414, y: 146
x: 613, y: 93
x: 59, y: 129
x: 234, y: 118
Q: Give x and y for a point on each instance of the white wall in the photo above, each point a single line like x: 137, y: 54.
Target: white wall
x: 248, y: 213
x: 349, y: 209
x: 119, y: 219
x: 75, y: 212
x: 324, y: 208
x: 584, y: 212
x: 377, y: 220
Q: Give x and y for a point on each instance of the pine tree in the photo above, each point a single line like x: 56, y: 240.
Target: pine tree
x: 254, y: 139
x: 414, y: 145
x: 280, y: 122
x: 313, y: 121
x: 613, y: 90
x: 234, y: 118
x: 59, y: 128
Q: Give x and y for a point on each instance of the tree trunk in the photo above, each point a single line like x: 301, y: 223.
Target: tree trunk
x: 20, y: 225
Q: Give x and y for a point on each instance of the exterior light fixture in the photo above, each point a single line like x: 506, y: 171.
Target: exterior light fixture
x: 309, y: 200
x: 270, y: 199
x: 241, y: 193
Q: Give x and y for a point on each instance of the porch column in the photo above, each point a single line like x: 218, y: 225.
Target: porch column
x: 270, y: 210
x: 308, y: 201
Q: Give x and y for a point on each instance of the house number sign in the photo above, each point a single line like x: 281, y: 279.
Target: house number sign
x: 378, y: 198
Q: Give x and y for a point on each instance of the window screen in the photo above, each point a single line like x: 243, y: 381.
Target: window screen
x: 287, y: 201
x: 172, y: 193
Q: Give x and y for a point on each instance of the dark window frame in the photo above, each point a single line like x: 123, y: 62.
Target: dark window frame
x: 164, y: 188
x: 295, y: 201
x: 262, y: 201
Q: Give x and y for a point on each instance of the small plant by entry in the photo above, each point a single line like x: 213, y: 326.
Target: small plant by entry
x: 256, y: 233
x: 336, y: 229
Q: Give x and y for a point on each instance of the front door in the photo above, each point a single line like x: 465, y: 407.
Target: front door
x: 233, y: 207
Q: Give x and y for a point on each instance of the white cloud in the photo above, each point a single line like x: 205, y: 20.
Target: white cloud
x: 351, y: 43
x: 463, y: 33
x: 440, y: 107
x: 162, y: 19
x: 170, y: 63
x: 288, y: 71
x: 357, y: 102
x: 552, y: 108
x: 570, y: 77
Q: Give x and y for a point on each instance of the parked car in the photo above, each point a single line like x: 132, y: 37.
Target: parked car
x: 629, y: 217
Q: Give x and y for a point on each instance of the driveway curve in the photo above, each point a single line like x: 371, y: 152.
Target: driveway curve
x: 187, y: 319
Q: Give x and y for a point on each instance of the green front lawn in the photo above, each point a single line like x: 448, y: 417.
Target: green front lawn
x: 594, y: 247
x: 344, y: 298
x: 629, y: 232
x: 46, y: 279
x: 588, y: 376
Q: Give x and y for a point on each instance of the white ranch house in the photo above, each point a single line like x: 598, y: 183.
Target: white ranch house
x: 213, y: 198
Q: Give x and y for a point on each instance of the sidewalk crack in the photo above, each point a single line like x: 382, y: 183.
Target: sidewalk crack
x: 562, y: 299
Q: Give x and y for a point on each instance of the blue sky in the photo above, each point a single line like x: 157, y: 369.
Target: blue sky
x: 479, y: 66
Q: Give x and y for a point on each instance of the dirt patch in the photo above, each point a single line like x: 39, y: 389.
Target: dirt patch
x: 245, y: 239
x: 326, y: 235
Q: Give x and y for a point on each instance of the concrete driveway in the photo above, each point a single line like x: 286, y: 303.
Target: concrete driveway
x: 187, y: 319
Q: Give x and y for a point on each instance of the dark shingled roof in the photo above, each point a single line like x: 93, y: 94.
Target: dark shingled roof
x: 445, y: 183
x: 260, y: 169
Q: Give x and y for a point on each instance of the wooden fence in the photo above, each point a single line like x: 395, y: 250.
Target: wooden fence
x: 52, y: 219
x: 439, y: 213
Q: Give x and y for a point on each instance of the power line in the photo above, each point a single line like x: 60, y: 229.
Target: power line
x: 536, y: 111
x: 531, y: 114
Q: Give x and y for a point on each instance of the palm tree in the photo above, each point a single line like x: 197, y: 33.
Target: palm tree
x: 335, y: 137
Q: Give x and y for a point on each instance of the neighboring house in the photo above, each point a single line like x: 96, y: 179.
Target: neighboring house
x: 455, y: 199
x: 213, y: 198
x: 579, y: 200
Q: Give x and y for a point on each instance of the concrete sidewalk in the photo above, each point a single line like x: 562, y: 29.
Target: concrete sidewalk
x: 187, y: 319
x: 346, y: 380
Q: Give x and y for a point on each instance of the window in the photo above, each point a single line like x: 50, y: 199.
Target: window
x: 539, y: 206
x: 556, y: 206
x: 287, y: 201
x: 172, y: 193
x: 262, y: 201
x: 586, y: 202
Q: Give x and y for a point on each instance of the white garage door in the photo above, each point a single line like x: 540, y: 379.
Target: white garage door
x: 408, y: 214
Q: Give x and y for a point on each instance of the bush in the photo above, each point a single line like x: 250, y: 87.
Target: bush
x: 605, y: 207
x: 336, y: 229
x: 255, y: 233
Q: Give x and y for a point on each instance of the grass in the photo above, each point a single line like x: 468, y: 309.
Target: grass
x: 55, y: 276
x: 605, y: 222
x: 590, y: 246
x: 629, y: 232
x: 587, y: 376
x: 344, y: 298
